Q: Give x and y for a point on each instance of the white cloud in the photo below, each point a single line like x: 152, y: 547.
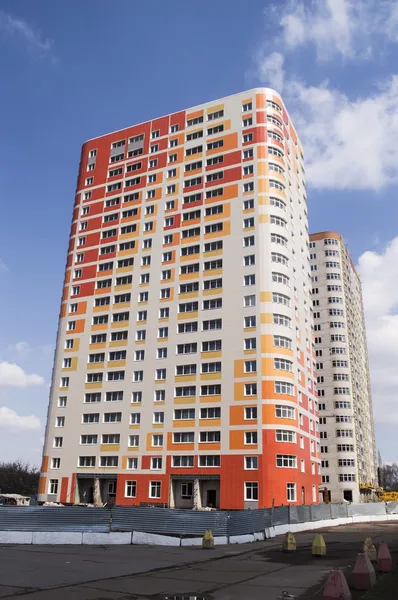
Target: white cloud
x: 19, y: 30
x: 352, y: 29
x: 379, y: 276
x: 270, y: 69
x: 10, y: 421
x: 349, y: 143
x: 13, y: 375
x: 342, y: 146
x: 3, y: 266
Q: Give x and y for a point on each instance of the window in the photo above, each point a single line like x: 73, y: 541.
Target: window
x: 136, y: 397
x: 109, y: 461
x: 88, y: 440
x: 183, y: 414
x: 249, y: 300
x: 249, y: 260
x: 91, y: 398
x: 250, y: 412
x: 285, y: 412
x: 212, y: 324
x: 250, y: 389
x: 347, y: 477
x: 134, y: 441
x: 135, y: 418
x: 210, y: 413
x: 248, y: 204
x: 157, y: 440
x: 250, y: 366
x: 212, y: 367
x: 138, y: 376
x: 62, y: 401
x: 286, y: 436
x: 53, y: 486
x: 183, y: 461
x: 155, y: 488
x: 185, y: 391
x: 248, y: 241
x: 160, y: 395
x: 186, y: 370
x: 211, y: 346
x: 132, y: 464
x: 250, y: 437
x: 291, y: 492
x: 58, y: 442
x: 183, y: 437
x: 251, y: 462
x: 250, y: 344
x: 112, y: 417
x: 283, y: 364
x: 209, y: 461
x: 247, y: 137
x: 156, y: 464
x: 162, y: 353
x: 114, y: 396
x: 282, y: 342
x: 187, y: 348
x: 60, y: 422
x: 116, y: 376
x: 189, y: 327
x: 210, y: 390
x: 248, y: 187
x: 55, y: 463
x: 251, y: 490
x: 130, y: 490
x: 209, y: 437
x: 286, y: 460
x: 110, y: 438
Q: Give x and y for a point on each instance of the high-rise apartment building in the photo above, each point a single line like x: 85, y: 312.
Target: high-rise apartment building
x: 184, y: 370
x: 348, y: 450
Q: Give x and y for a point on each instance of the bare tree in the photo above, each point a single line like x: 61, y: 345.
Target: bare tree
x: 19, y: 477
x: 388, y: 477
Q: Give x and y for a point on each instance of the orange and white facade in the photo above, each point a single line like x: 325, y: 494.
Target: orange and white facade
x: 184, y: 369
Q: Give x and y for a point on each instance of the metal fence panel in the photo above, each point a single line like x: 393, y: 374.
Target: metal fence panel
x: 280, y: 515
x: 320, y: 512
x: 392, y: 508
x: 339, y: 511
x: 299, y: 514
x: 267, y: 517
x: 169, y: 521
x: 360, y: 510
x: 47, y: 518
x: 248, y: 521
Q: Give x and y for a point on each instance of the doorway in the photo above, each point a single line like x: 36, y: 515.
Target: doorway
x: 303, y: 495
x: 347, y: 495
x: 211, y: 498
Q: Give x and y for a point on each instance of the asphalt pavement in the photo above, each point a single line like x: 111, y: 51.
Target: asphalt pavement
x: 251, y: 571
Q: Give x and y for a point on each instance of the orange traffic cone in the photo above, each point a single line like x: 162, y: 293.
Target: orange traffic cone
x: 384, y: 560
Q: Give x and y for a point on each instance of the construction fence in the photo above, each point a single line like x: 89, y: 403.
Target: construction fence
x: 175, y: 522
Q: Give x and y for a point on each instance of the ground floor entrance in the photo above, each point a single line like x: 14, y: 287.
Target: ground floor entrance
x: 194, y: 492
x: 97, y: 490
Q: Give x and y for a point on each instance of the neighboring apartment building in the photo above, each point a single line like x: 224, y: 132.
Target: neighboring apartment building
x: 348, y: 449
x: 184, y: 370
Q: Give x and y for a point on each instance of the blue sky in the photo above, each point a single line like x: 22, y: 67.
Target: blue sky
x: 70, y: 72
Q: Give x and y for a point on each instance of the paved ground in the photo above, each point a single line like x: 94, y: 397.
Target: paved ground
x: 254, y: 571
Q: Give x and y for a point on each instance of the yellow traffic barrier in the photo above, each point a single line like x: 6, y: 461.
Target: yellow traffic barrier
x: 208, y: 540
x: 289, y: 543
x: 370, y: 549
x: 318, y: 546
